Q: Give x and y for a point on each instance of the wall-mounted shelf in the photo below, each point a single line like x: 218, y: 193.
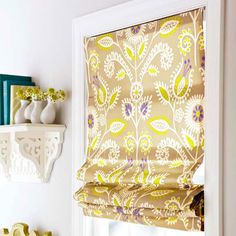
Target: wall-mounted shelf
x: 28, y: 151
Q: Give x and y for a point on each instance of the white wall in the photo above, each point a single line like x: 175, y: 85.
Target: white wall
x: 35, y: 39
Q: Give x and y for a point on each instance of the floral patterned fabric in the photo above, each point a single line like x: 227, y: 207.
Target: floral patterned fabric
x: 145, y: 130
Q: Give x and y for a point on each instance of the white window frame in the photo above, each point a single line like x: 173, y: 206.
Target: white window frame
x: 136, y: 12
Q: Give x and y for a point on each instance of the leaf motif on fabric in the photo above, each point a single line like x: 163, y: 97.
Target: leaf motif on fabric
x: 129, y: 202
x: 181, y: 85
x: 189, y: 139
x: 101, y: 162
x: 129, y: 52
x: 169, y: 26
x: 114, y: 177
x: 105, y: 42
x: 153, y: 70
x: 116, y: 200
x: 100, y: 92
x: 97, y: 212
x: 142, y: 48
x: 120, y: 75
x: 172, y: 220
x: 159, y: 125
x: 114, y: 97
x: 117, y: 126
x: 94, y: 142
x: 202, y: 142
x: 159, y: 179
x: 162, y: 92
x: 176, y: 163
x: 101, y: 95
x: 100, y: 177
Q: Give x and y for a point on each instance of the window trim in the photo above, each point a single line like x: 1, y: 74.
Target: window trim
x: 139, y: 11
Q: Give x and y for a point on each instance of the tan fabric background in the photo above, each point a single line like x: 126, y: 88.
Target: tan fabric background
x: 145, y: 117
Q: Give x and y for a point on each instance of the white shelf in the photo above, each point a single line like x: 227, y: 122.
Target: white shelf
x: 29, y: 151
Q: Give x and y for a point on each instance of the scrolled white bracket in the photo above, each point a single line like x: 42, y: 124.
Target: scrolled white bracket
x: 29, y: 151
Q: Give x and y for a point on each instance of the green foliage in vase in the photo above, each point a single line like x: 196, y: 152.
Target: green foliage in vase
x: 55, y: 95
x: 40, y: 95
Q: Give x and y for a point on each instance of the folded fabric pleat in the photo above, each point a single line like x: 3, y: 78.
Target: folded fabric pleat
x: 179, y: 221
x: 138, y: 172
x: 145, y: 204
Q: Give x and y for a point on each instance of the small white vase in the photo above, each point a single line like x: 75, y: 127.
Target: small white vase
x: 36, y: 112
x: 48, y: 114
x: 28, y: 111
x: 19, y: 116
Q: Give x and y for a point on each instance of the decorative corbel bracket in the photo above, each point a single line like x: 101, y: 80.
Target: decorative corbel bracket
x: 29, y: 151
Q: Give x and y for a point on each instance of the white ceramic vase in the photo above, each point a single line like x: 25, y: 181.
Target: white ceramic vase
x: 28, y: 111
x: 36, y: 112
x: 48, y: 114
x: 19, y: 116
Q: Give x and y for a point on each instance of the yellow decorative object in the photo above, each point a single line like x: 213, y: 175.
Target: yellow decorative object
x: 21, y: 229
x: 15, y: 101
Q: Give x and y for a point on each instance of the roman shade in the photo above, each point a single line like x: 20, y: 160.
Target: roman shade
x: 145, y: 123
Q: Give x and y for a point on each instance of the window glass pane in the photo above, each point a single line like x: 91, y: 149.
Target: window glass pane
x: 104, y: 227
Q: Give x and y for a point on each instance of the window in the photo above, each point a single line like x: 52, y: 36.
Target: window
x: 142, y: 12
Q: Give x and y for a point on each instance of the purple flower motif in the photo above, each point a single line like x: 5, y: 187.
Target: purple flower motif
x: 129, y: 164
x: 136, y: 212
x: 119, y: 210
x: 144, y: 108
x: 198, y: 113
x: 143, y: 164
x: 128, y: 109
x: 187, y: 67
x: 130, y: 161
x: 90, y: 121
x: 135, y: 29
